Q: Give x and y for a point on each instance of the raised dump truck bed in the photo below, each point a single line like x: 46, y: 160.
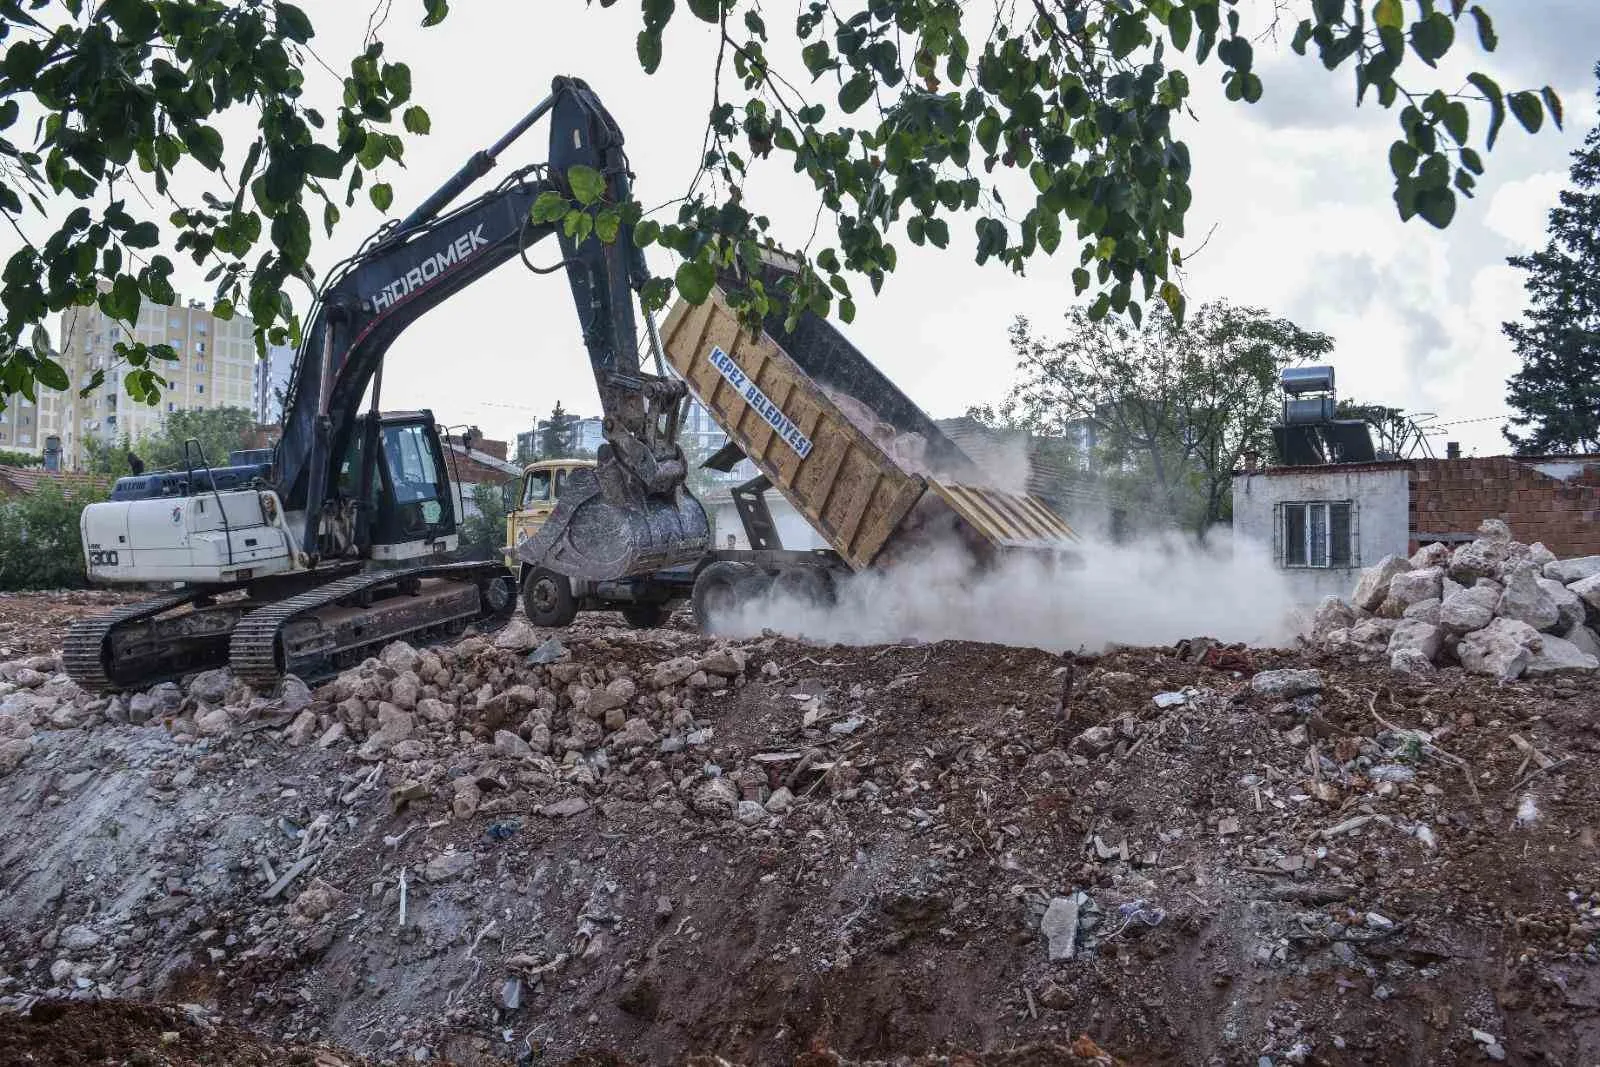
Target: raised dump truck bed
x: 870, y: 471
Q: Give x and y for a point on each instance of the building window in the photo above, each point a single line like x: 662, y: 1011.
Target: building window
x: 199, y: 388
x: 1318, y: 534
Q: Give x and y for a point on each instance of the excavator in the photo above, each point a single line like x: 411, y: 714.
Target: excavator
x: 346, y: 538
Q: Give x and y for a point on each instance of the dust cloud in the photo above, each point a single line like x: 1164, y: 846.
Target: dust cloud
x: 1152, y: 592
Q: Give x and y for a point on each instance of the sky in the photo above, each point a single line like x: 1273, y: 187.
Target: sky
x: 1292, y: 200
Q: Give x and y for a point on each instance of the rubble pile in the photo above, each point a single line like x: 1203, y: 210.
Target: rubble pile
x: 1493, y: 606
x: 533, y: 843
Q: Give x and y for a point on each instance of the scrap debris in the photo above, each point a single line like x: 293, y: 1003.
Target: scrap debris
x: 466, y: 850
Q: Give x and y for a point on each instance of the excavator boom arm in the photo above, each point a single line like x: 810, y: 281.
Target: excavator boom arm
x: 427, y: 258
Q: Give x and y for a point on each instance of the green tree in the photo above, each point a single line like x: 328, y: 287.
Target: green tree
x: 905, y: 125
x: 108, y: 458
x: 1173, y: 408
x: 487, y: 529
x: 555, y: 436
x: 9, y: 458
x: 1556, y: 394
x: 218, y: 430
x: 41, y: 546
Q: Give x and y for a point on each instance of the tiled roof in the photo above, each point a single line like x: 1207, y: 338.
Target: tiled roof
x: 27, y: 479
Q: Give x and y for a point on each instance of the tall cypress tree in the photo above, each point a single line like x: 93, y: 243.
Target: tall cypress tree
x: 1557, y: 392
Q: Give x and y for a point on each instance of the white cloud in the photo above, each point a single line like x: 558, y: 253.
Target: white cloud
x: 1520, y: 209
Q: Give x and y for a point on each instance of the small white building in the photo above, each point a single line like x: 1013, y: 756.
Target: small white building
x: 1324, y: 524
x: 793, y: 529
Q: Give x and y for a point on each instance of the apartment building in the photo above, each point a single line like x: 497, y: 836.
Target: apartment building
x: 270, y: 381
x: 215, y: 366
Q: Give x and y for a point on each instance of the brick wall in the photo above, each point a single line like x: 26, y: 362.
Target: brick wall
x: 1454, y: 496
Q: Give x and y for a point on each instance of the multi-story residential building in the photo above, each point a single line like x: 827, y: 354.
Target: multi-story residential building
x: 584, y: 437
x: 214, y: 366
x: 270, y: 381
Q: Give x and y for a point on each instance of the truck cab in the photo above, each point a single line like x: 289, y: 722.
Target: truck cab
x: 541, y: 486
x: 551, y: 599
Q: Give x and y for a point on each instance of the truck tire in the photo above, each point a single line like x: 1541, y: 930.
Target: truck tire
x: 809, y: 585
x: 644, y: 616
x: 718, y: 589
x: 547, y: 598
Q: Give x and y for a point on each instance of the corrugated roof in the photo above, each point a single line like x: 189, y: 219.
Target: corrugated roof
x: 493, y: 462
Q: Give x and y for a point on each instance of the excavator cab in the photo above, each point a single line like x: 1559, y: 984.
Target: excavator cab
x: 408, y: 507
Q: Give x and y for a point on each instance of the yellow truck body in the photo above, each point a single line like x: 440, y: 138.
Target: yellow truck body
x: 820, y: 422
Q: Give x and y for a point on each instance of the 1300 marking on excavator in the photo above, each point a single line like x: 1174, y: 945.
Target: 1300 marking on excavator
x: 753, y: 396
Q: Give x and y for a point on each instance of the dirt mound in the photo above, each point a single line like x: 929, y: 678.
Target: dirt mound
x: 69, y: 1034
x: 32, y: 623
x: 771, y: 851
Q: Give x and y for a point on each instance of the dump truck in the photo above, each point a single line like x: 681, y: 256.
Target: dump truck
x: 868, y: 469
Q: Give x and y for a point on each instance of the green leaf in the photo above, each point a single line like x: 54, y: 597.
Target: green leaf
x: 1180, y: 25
x: 397, y: 79
x: 144, y: 235
x: 1497, y: 107
x: 578, y: 225
x: 382, y: 196
x: 646, y: 233
x: 1402, y: 158
x: 588, y: 184
x: 1472, y: 161
x: 855, y: 92
x: 1552, y: 103
x: 1388, y: 14
x: 816, y: 58
x: 695, y: 279
x: 1431, y: 37
x: 706, y: 10
x: 320, y: 161
x: 938, y: 233
x: 1456, y: 121
x: 1437, y: 206
x: 1486, y: 34
x: 606, y: 225
x: 293, y: 23
x: 416, y: 120
x: 205, y: 144
x: 847, y: 310
x: 1173, y: 297
x: 551, y: 206
x: 1526, y: 107
x: 50, y: 374
x: 649, y: 48
x: 435, y: 10
x: 330, y: 218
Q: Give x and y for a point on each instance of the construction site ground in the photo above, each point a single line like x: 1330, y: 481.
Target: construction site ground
x: 916, y: 850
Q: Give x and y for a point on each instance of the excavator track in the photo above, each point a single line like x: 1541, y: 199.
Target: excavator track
x: 317, y: 633
x: 90, y: 659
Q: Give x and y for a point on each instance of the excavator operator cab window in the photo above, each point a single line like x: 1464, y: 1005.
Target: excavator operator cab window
x: 414, y: 476
x: 536, y: 489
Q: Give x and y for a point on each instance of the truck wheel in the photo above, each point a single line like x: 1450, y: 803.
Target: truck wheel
x: 809, y: 585
x: 644, y: 616
x: 547, y: 598
x: 719, y: 589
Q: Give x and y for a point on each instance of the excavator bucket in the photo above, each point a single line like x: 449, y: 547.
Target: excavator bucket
x: 588, y: 536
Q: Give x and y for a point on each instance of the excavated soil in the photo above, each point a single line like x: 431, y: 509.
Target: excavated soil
x: 37, y: 622
x: 1377, y: 870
